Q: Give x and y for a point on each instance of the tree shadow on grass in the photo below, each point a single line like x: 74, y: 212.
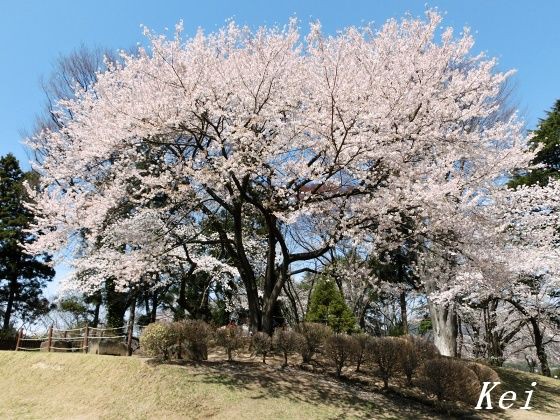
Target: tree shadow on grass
x: 267, y: 382
x: 546, y: 394
x: 357, y: 395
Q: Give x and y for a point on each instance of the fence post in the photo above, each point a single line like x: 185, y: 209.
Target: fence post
x: 129, y: 341
x: 130, y: 327
x: 19, y: 336
x: 49, y: 342
x: 86, y: 340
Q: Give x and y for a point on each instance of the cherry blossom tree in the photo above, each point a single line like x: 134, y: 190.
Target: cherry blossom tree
x: 225, y: 149
x: 521, y: 267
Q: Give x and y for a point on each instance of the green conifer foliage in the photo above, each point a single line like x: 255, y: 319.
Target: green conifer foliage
x: 547, y: 136
x: 327, y: 306
x: 22, y: 276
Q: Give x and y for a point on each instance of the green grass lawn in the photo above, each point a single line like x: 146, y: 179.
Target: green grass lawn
x: 546, y: 396
x: 57, y: 385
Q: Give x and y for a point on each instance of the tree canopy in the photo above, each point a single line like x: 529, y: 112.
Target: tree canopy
x: 236, y: 160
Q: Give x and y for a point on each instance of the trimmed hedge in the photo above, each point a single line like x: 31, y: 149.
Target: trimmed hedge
x: 159, y: 339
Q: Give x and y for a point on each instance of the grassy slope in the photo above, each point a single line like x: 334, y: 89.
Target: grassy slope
x: 40, y: 385
x: 546, y: 397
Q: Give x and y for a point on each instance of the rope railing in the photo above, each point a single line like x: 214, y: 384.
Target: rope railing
x: 85, y: 334
x: 110, y: 337
x: 34, y: 339
x: 68, y: 330
x: 71, y: 349
x: 69, y: 338
x: 108, y: 329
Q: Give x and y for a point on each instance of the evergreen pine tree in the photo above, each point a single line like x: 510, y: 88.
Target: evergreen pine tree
x: 547, y: 135
x: 22, y: 276
x: 327, y: 306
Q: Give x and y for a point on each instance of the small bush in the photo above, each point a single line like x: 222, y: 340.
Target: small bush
x: 358, y: 350
x: 425, y: 348
x: 314, y: 336
x: 195, y: 335
x: 158, y: 340
x: 338, y: 348
x: 385, y: 353
x: 230, y: 338
x: 8, y: 334
x: 287, y: 342
x: 484, y: 373
x: 262, y: 344
x: 409, y: 360
x: 414, y: 352
x: 450, y: 380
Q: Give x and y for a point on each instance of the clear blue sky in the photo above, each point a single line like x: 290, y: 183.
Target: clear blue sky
x: 523, y: 35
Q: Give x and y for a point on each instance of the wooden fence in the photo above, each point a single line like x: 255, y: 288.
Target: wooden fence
x: 74, y: 340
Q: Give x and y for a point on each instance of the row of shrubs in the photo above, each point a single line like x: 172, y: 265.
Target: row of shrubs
x: 193, y: 337
x: 411, y: 358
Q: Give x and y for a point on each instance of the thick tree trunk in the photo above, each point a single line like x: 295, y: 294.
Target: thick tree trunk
x: 147, y: 306
x: 131, y: 316
x: 545, y: 368
x: 153, y: 314
x: 182, y: 300
x: 538, y: 336
x: 267, y: 318
x: 494, y: 344
x: 541, y: 352
x: 271, y: 276
x: 10, y: 304
x: 271, y: 296
x: 96, y: 311
x: 404, y: 314
x: 8, y: 313
x: 116, y: 304
x: 255, y: 314
x: 444, y: 324
x: 245, y: 269
x: 478, y: 348
x: 95, y: 299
